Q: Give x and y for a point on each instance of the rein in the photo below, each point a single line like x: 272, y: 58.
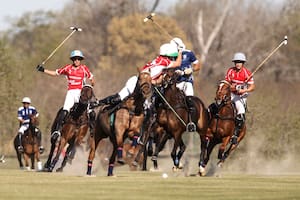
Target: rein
x: 165, y: 100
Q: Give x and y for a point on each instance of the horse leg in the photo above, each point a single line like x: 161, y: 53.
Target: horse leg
x: 94, y: 141
x: 19, y: 155
x: 32, y: 157
x: 141, y: 151
x: 133, y: 144
x: 69, y: 151
x: 222, y: 148
x: 48, y: 162
x: 61, y: 145
x: 182, y: 148
x: 112, y: 159
x: 160, y: 143
x: 26, y: 158
x: 174, y: 154
x: 207, y: 146
x: 39, y: 162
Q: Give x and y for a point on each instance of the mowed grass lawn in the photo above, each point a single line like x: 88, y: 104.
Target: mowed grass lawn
x: 18, y: 184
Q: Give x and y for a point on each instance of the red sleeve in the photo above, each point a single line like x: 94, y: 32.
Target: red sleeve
x: 228, y: 75
x: 87, y: 72
x: 63, y: 70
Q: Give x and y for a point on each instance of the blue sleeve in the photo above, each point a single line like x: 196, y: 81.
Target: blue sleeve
x: 192, y: 57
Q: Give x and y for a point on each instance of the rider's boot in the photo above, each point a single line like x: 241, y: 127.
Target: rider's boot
x: 191, y: 127
x: 20, y: 147
x: 239, y: 123
x: 39, y: 138
x: 111, y: 100
x: 60, y: 120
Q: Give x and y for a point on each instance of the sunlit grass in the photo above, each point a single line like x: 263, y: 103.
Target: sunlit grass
x: 17, y: 184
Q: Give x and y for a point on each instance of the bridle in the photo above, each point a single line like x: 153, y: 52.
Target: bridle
x: 224, y: 98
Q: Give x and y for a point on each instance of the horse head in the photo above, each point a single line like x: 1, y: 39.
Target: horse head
x: 174, y: 95
x: 86, y: 94
x: 223, y: 93
x: 34, y: 120
x: 144, y: 83
x: 170, y: 77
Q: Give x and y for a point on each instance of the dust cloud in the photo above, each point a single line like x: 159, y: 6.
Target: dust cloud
x: 246, y: 159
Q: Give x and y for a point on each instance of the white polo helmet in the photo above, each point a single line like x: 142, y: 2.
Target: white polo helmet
x: 168, y: 49
x: 26, y: 100
x: 76, y: 53
x: 239, y: 57
x: 178, y: 42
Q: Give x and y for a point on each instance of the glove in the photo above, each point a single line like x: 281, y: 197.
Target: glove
x: 180, y: 48
x: 40, y: 68
x: 188, y: 71
x: 180, y: 72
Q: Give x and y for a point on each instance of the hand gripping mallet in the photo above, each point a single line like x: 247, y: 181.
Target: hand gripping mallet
x: 74, y: 29
x: 283, y: 42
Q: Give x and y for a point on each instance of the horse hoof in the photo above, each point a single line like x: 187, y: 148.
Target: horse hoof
x: 202, y: 171
x: 121, y: 161
x: 176, y: 169
x: 220, y: 164
x: 154, y: 158
x: 20, y: 149
x: 134, y: 163
x: 59, y: 169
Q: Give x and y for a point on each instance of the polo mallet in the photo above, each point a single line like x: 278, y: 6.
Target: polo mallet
x: 283, y: 42
x: 150, y: 17
x: 74, y: 29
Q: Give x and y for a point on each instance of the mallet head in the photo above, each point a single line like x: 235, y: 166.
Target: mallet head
x: 285, y: 40
x: 75, y: 28
x: 149, y: 17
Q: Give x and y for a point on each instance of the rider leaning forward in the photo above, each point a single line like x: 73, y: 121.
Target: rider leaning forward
x: 169, y: 57
x: 237, y: 76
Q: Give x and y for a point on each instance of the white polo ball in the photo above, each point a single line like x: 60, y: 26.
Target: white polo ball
x: 165, y: 175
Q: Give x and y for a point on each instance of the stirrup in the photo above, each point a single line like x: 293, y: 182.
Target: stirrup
x: 41, y: 149
x: 20, y: 149
x: 191, y: 127
x: 55, y: 134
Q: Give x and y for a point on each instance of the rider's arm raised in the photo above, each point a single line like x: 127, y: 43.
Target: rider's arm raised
x: 51, y: 72
x: 177, y: 62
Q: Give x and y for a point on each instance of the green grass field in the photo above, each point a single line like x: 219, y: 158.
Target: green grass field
x: 18, y: 184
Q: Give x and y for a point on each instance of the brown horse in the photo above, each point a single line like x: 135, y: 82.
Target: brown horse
x: 31, y: 145
x: 173, y: 118
x: 221, y: 127
x: 120, y: 122
x: 73, y: 130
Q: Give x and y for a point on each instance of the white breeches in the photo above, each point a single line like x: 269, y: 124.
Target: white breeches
x: 129, y: 87
x: 240, y: 102
x: 186, y: 87
x: 72, y: 97
x: 23, y: 128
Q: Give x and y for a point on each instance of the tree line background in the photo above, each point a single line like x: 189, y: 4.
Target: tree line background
x: 115, y: 41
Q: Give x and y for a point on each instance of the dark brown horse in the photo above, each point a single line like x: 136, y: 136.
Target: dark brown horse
x: 221, y: 127
x: 173, y: 118
x: 73, y: 130
x: 30, y: 144
x: 120, y: 122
